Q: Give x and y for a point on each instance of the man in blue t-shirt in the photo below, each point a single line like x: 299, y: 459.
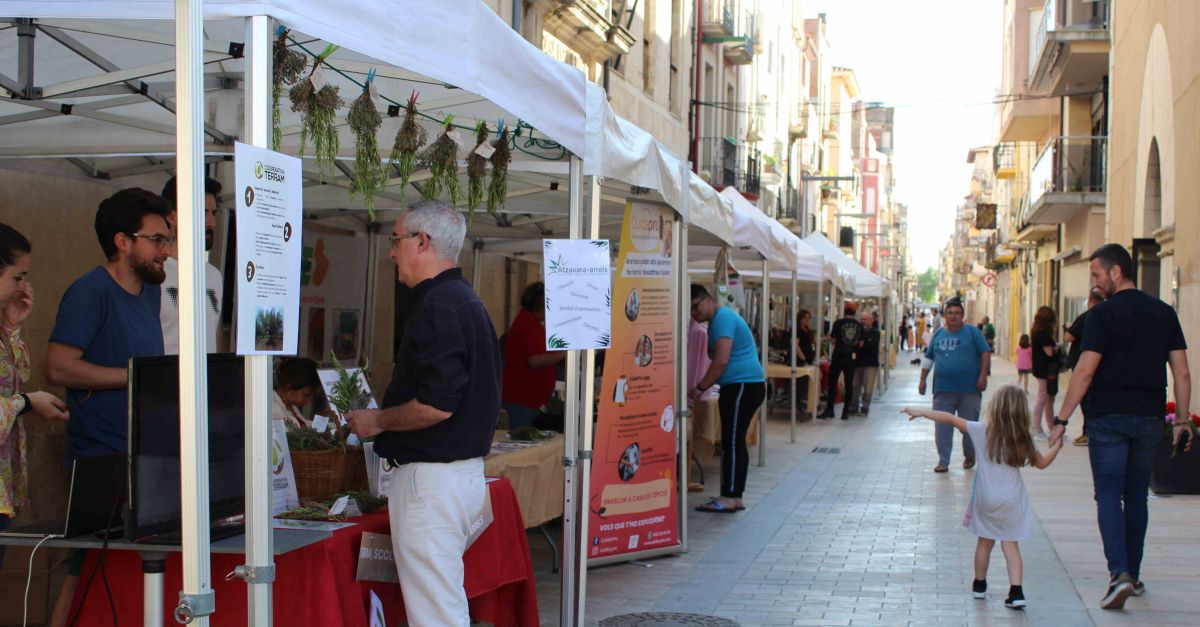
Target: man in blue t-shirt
x: 736, y: 367
x: 107, y: 316
x: 1129, y: 340
x: 962, y: 358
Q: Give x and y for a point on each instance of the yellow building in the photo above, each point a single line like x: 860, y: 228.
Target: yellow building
x: 1155, y: 147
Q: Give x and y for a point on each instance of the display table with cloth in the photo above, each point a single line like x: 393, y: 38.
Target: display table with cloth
x: 784, y: 371
x: 315, y: 585
x: 536, y: 473
x: 706, y: 429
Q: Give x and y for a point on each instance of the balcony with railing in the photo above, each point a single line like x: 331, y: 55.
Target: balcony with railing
x: 1069, y: 49
x: 719, y: 18
x: 1004, y: 160
x: 1069, y: 175
x: 726, y: 162
x: 588, y: 26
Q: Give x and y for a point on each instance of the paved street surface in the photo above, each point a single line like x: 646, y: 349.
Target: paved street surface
x: 869, y: 535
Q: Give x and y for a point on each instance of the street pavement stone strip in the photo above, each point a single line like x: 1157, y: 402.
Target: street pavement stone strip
x: 869, y: 535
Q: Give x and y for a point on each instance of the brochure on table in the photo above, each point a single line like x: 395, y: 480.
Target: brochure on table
x: 283, y: 476
x: 578, y: 294
x: 270, y: 212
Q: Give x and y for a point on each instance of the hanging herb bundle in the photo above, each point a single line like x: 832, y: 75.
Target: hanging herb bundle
x: 498, y: 187
x: 476, y: 171
x: 364, y: 120
x: 442, y: 157
x: 409, y: 140
x: 317, y: 102
x: 288, y: 66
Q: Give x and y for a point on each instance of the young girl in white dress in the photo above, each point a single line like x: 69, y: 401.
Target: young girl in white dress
x: 999, y: 507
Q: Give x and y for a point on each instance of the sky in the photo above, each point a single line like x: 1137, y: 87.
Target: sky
x: 938, y: 63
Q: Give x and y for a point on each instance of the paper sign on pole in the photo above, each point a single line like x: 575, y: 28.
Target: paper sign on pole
x: 270, y: 210
x: 633, y: 496
x: 578, y: 294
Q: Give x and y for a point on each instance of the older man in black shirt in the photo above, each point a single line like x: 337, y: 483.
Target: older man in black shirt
x: 1128, y: 341
x: 438, y: 416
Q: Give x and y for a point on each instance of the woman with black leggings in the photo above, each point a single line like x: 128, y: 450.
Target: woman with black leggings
x: 736, y: 368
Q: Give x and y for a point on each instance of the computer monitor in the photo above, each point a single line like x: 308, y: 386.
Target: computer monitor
x: 154, y: 467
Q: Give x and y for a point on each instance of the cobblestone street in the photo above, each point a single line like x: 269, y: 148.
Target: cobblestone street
x: 867, y: 534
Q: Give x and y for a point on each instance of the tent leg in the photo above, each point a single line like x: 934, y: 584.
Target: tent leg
x: 792, y: 313
x: 764, y: 331
x: 572, y: 601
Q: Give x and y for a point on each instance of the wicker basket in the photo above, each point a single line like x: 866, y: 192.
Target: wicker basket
x: 322, y: 474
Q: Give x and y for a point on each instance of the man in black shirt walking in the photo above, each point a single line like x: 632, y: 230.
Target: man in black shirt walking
x: 438, y: 416
x: 846, y: 336
x: 1074, y: 335
x: 1121, y: 376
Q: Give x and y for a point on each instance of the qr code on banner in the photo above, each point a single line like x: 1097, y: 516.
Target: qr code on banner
x: 633, y: 541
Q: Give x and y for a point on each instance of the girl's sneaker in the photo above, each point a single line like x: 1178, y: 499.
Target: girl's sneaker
x: 979, y: 589
x: 1016, y: 598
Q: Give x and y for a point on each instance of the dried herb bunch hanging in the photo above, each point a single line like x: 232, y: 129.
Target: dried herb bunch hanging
x: 442, y: 157
x: 364, y: 120
x: 498, y: 187
x: 317, y: 102
x: 287, y: 68
x: 409, y: 140
x: 476, y: 172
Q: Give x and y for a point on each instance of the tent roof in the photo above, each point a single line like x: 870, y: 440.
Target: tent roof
x: 866, y: 284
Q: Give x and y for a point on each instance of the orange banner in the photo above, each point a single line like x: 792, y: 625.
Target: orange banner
x: 633, y: 500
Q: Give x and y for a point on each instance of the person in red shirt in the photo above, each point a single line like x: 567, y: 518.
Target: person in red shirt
x: 529, y: 369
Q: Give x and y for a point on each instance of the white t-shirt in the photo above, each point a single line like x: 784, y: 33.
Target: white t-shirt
x: 168, y: 313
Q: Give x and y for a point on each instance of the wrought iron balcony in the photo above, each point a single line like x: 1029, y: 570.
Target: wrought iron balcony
x: 1070, y: 47
x: 1068, y: 175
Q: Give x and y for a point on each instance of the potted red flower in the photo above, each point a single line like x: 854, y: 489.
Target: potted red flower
x: 1175, y: 473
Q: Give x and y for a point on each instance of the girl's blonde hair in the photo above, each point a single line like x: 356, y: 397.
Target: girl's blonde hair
x: 1009, y: 441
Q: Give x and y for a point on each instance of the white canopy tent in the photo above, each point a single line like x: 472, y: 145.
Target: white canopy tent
x: 114, y: 115
x: 866, y: 284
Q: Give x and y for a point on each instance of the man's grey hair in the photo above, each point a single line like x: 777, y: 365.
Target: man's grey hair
x: 443, y: 224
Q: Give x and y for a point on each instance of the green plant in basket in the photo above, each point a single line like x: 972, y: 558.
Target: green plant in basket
x: 348, y: 393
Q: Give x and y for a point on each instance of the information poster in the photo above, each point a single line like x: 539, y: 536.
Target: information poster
x: 633, y: 500
x: 578, y: 294
x: 269, y: 225
x: 283, y: 477
x: 333, y: 281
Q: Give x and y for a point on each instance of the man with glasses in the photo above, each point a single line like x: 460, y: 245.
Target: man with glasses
x: 107, y: 316
x: 962, y: 358
x: 169, y: 314
x: 438, y: 414
x: 736, y: 368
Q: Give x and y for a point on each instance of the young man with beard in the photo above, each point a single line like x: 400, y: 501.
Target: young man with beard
x: 169, y: 314
x: 105, y: 317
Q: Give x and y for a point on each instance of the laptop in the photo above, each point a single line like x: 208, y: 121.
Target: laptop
x: 94, y: 500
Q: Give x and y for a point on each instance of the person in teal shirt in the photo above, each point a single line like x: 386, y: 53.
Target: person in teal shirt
x: 960, y: 357
x: 736, y: 367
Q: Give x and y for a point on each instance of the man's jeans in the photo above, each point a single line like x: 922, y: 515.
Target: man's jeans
x: 966, y: 406
x: 1122, y: 449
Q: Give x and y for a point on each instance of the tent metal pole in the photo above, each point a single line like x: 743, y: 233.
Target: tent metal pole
x: 587, y: 402
x: 571, y: 596
x: 260, y: 565
x: 792, y: 312
x: 817, y: 333
x: 197, y: 598
x: 683, y: 301
x: 764, y: 330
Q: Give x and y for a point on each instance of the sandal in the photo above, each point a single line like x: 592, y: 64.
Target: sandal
x: 717, y: 507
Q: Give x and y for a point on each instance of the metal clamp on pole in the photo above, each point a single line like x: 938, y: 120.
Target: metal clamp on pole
x: 193, y: 605
x: 253, y: 574
x: 570, y: 462
x: 585, y: 454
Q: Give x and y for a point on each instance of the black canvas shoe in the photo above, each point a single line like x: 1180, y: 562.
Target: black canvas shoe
x: 1119, y: 589
x: 979, y: 589
x: 1016, y: 598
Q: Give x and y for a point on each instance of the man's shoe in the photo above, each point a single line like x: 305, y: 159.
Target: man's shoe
x: 1139, y: 588
x: 969, y: 463
x: 864, y: 410
x: 1119, y: 589
x: 1016, y: 598
x: 979, y: 588
x: 941, y: 468
x: 1081, y: 440
x: 825, y: 415
x: 845, y: 416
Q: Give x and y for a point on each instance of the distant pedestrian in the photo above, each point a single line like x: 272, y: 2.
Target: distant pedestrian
x: 1121, y: 379
x: 960, y: 357
x: 922, y: 326
x: 847, y: 337
x: 1024, y: 361
x: 903, y: 331
x: 866, y: 367
x: 989, y: 332
x: 999, y: 508
x: 1045, y: 369
x: 1074, y: 335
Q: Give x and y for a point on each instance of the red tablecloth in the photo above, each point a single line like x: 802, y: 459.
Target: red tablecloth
x: 316, y: 585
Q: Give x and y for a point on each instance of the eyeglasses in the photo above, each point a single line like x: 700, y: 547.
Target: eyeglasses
x: 159, y: 241
x: 696, y: 304
x: 396, y: 239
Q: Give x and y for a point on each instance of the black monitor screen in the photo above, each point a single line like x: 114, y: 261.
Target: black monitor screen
x: 154, y: 475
